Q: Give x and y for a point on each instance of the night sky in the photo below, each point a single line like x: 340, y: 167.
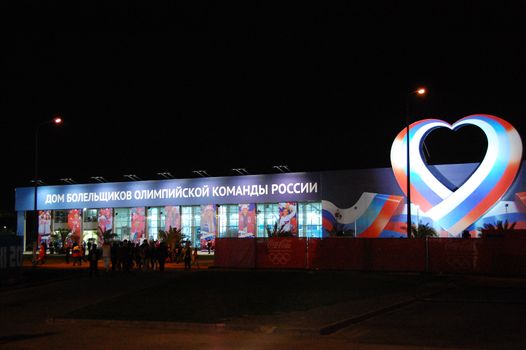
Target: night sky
x: 147, y: 87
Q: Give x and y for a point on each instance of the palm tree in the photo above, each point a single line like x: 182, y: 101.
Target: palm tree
x: 63, y: 234
x: 173, y: 236
x: 277, y: 231
x: 496, y: 230
x: 499, y: 226
x: 423, y: 230
x: 106, y: 236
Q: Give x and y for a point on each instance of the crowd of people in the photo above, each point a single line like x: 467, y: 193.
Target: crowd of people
x: 126, y: 255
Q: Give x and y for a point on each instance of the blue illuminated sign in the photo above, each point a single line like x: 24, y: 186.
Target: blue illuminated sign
x: 215, y: 190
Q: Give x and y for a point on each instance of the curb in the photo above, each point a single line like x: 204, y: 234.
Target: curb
x: 327, y: 330
x: 334, y: 327
x: 137, y: 324
x: 272, y: 329
x: 181, y: 326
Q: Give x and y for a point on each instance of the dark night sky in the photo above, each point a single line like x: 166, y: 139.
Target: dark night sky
x: 146, y: 86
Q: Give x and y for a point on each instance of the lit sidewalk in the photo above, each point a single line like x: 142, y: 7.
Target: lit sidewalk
x: 59, y: 262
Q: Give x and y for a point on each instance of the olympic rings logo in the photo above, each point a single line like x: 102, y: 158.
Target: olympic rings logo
x: 279, y: 258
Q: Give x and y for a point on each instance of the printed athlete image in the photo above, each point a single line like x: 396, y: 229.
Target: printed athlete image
x: 208, y: 226
x: 74, y: 218
x: 287, y: 217
x: 247, y: 220
x: 173, y: 217
x: 137, y: 224
x: 105, y: 219
x: 44, y: 225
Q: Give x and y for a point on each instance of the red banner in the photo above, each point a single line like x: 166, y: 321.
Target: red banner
x: 235, y: 252
x: 336, y: 253
x: 500, y: 255
x: 380, y: 254
x: 451, y: 255
x: 284, y: 253
x: 442, y: 255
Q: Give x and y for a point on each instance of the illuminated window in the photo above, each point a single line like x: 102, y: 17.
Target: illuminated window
x: 156, y: 218
x: 122, y: 223
x: 228, y: 220
x: 191, y: 223
x: 90, y: 236
x: 89, y: 215
x: 60, y: 216
x: 267, y: 216
x: 309, y: 220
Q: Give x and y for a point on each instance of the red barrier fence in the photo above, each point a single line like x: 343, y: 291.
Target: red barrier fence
x: 288, y: 253
x: 235, y: 252
x: 366, y: 254
x: 438, y: 255
x: 451, y: 255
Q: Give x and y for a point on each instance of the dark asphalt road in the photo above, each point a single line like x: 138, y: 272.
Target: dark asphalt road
x: 469, y: 313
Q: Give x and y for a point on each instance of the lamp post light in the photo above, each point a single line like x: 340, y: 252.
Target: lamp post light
x: 57, y: 120
x: 419, y: 92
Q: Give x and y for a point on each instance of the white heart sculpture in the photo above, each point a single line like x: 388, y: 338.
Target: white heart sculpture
x: 455, y: 211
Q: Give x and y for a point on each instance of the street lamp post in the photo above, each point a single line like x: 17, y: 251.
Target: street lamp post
x: 57, y: 121
x: 419, y: 92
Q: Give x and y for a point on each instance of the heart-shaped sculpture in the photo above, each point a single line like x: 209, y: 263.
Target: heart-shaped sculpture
x: 455, y: 211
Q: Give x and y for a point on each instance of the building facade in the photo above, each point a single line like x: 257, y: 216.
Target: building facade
x: 451, y: 199
x: 366, y: 203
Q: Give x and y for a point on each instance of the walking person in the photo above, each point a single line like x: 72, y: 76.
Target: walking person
x: 67, y: 253
x: 106, y: 255
x: 41, y: 258
x: 93, y: 257
x: 144, y: 249
x: 187, y: 256
x: 77, y: 255
x: 34, y: 259
x: 113, y: 253
x: 162, y: 254
x: 195, y: 258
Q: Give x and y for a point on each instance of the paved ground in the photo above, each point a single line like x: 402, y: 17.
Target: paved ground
x: 352, y: 311
x: 58, y: 261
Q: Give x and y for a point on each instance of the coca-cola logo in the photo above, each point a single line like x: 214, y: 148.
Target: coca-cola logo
x: 279, y: 244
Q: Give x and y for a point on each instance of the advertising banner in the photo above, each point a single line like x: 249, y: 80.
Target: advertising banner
x: 74, y: 222
x: 138, y: 224
x: 208, y: 226
x: 287, y: 253
x: 105, y: 219
x: 247, y: 220
x: 288, y: 221
x: 172, y: 218
x: 44, y: 226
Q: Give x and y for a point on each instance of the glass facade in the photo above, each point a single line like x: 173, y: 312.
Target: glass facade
x: 60, y: 216
x: 310, y: 220
x: 89, y: 215
x: 267, y: 216
x: 227, y: 219
x: 122, y: 223
x: 156, y: 217
x: 191, y: 223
